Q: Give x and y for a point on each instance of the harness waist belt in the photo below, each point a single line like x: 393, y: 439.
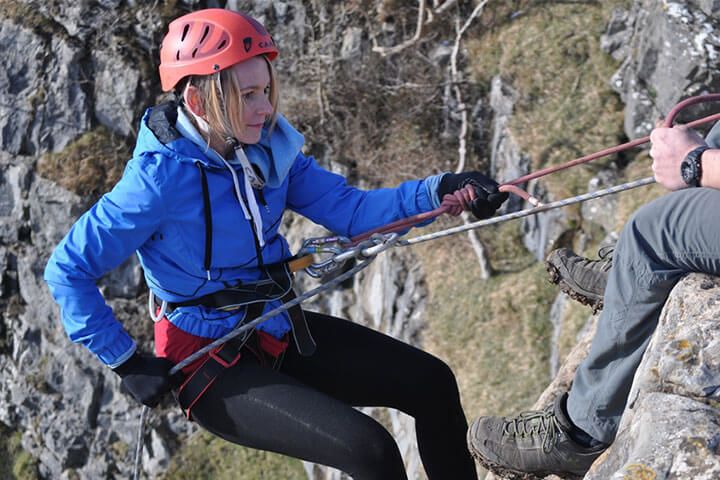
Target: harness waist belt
x: 277, y: 287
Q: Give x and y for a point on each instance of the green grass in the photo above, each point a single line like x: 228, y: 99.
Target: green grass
x: 204, y: 456
x: 566, y: 109
x: 495, y: 334
x: 15, y: 463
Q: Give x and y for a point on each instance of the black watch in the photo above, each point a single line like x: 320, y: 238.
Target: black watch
x: 691, y: 167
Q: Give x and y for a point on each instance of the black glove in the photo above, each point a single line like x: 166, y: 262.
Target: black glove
x: 488, y: 198
x: 147, y: 379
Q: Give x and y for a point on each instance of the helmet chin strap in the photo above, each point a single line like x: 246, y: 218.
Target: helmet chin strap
x: 252, y: 180
x: 232, y: 142
x: 199, y: 121
x: 256, y: 181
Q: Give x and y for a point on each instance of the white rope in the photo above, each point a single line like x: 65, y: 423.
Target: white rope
x: 255, y: 215
x: 139, y: 443
x: 528, y: 211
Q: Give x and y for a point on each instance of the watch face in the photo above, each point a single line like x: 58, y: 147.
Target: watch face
x: 688, y: 172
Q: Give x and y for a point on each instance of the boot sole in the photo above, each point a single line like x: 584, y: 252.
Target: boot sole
x: 556, y: 278
x: 509, y: 474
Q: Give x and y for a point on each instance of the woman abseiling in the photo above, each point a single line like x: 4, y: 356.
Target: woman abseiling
x: 200, y: 202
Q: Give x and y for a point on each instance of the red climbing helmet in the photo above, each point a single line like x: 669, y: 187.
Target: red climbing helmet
x: 210, y: 40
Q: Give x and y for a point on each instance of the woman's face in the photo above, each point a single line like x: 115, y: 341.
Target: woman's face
x: 253, y: 78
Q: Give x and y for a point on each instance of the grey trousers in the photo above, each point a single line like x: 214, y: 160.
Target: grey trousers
x: 667, y: 238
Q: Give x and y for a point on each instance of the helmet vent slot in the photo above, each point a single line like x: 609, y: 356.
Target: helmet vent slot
x: 222, y: 44
x: 185, y: 32
x: 205, y: 34
x: 194, y: 52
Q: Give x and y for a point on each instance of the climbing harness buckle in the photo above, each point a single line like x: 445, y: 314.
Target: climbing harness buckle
x: 224, y: 356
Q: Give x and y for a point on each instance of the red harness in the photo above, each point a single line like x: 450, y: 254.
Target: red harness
x: 175, y: 345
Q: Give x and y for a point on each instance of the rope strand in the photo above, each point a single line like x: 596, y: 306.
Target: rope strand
x: 529, y: 211
x: 140, y: 441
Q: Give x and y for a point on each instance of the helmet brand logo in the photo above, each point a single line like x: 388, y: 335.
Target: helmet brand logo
x: 266, y: 44
x: 247, y: 43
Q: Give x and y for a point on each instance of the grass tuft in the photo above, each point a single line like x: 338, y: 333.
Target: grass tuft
x: 89, y: 166
x: 15, y: 463
x: 206, y: 456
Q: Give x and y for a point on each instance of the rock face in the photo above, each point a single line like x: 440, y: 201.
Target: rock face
x: 506, y: 159
x: 671, y: 427
x: 44, y: 104
x: 670, y: 51
x: 69, y: 67
x: 675, y: 394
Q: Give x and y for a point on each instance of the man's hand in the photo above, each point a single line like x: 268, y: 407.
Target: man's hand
x: 669, y: 148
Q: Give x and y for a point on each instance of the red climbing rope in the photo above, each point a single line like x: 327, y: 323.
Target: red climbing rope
x: 512, y: 185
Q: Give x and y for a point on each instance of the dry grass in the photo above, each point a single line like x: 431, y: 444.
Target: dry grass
x: 496, y: 334
x: 566, y: 109
x: 206, y: 456
x: 89, y: 166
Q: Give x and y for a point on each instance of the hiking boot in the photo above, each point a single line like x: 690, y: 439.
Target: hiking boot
x: 580, y: 278
x: 532, y: 445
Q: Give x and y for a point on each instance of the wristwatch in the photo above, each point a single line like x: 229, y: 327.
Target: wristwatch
x: 691, y: 167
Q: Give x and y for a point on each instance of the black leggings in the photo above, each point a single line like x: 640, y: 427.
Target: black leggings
x: 304, y: 409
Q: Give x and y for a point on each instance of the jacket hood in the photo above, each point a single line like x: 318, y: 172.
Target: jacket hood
x: 273, y: 155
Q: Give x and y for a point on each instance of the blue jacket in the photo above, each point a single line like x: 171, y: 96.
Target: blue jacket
x: 156, y: 210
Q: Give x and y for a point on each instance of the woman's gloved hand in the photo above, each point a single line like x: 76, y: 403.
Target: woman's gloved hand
x: 472, y: 191
x: 147, y: 379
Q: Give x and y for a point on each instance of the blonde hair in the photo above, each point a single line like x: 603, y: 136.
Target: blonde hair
x: 222, y: 98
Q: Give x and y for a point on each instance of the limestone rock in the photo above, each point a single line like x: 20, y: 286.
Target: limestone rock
x: 671, y: 427
x: 541, y: 231
x: 44, y: 102
x: 507, y: 162
x: 115, y: 89
x: 672, y: 52
x: 601, y: 211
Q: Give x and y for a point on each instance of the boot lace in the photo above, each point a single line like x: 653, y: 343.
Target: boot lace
x: 542, y: 423
x: 606, y: 251
x: 604, y: 263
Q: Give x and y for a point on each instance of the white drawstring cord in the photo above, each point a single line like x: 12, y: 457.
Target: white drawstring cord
x: 255, y: 216
x: 151, y: 308
x: 255, y: 180
x: 237, y: 190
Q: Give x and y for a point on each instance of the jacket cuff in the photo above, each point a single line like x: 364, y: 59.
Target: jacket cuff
x: 119, y: 353
x: 431, y: 187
